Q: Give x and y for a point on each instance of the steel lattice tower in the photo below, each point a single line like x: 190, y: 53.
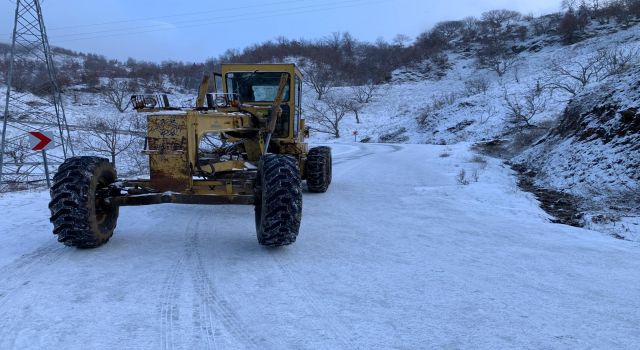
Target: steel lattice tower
x: 33, y: 103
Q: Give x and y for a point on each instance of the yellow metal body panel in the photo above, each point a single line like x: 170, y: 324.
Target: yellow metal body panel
x: 168, y: 148
x: 174, y: 137
x: 241, y: 67
x: 173, y: 141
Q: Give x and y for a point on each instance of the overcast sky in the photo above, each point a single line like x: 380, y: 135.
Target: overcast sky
x: 193, y: 30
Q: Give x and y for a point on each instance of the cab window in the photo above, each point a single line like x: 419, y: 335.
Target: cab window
x: 298, y: 107
x: 256, y: 86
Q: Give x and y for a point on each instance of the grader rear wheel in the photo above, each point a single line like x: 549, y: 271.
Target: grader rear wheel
x: 278, y: 200
x: 80, y: 216
x: 318, y: 169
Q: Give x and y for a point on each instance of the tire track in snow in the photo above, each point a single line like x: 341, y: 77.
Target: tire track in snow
x: 169, y: 309
x: 200, y: 309
x: 366, y: 151
x: 25, y: 266
x: 214, y: 304
x: 211, y: 314
x: 20, y: 272
x: 173, y: 287
x: 18, y: 275
x: 328, y: 322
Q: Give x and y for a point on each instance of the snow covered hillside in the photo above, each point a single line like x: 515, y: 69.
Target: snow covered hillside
x: 398, y: 254
x: 594, y: 151
x: 451, y: 109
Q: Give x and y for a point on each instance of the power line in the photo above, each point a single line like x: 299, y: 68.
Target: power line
x: 209, y: 20
x: 184, y: 14
x: 300, y: 10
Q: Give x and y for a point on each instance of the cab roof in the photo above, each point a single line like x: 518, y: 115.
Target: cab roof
x: 263, y: 67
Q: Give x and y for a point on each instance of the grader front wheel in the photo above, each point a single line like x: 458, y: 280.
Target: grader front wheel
x: 278, y: 200
x: 79, y: 215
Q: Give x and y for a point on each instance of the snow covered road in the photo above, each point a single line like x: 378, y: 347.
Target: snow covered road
x: 397, y: 255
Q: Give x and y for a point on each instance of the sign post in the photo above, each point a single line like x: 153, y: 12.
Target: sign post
x: 355, y: 135
x: 41, y: 141
x: 46, y: 168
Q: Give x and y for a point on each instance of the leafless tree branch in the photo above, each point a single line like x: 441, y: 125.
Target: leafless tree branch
x: 107, y: 136
x: 326, y: 116
x: 365, y: 93
x: 521, y: 109
x: 320, y: 78
x: 117, y: 93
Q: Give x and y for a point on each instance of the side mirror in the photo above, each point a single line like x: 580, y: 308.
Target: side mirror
x: 305, y: 129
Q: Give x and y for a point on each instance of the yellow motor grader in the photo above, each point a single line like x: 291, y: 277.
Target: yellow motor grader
x: 243, y: 144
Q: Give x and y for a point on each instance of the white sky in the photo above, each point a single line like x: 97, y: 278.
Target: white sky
x: 194, y: 30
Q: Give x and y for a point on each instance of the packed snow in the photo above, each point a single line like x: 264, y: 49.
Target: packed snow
x: 399, y: 253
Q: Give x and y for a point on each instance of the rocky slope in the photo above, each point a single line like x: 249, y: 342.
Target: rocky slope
x: 594, y: 151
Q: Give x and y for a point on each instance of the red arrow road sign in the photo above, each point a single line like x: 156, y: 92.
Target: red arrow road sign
x: 41, y: 140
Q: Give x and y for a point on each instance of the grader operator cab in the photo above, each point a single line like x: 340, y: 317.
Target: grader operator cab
x: 245, y: 145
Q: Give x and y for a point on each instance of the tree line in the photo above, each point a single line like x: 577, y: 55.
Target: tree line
x: 494, y: 39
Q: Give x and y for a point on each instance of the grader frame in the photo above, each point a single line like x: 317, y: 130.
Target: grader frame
x: 173, y: 137
x: 255, y: 114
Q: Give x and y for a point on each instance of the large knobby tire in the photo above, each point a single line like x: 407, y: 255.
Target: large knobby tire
x: 79, y: 215
x: 318, y: 169
x: 278, y: 200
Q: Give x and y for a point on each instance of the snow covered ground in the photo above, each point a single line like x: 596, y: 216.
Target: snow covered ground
x: 397, y: 254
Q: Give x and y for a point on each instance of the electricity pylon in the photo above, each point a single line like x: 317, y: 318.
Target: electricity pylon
x: 33, y: 103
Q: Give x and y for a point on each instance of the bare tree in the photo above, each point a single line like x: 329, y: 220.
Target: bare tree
x: 320, y: 77
x: 137, y: 162
x: 521, y: 109
x: 326, y: 116
x: 633, y: 6
x: 476, y: 86
x: 568, y: 26
x: 107, y: 136
x: 569, y: 4
x: 497, y: 20
x: 449, y: 30
x: 488, y: 112
x: 352, y: 104
x: 496, y: 30
x: 365, y: 93
x: 572, y: 76
x: 470, y: 29
x: 584, y: 15
x: 496, y: 59
x: 117, y: 93
x: 618, y: 61
x: 18, y: 151
x: 401, y: 40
